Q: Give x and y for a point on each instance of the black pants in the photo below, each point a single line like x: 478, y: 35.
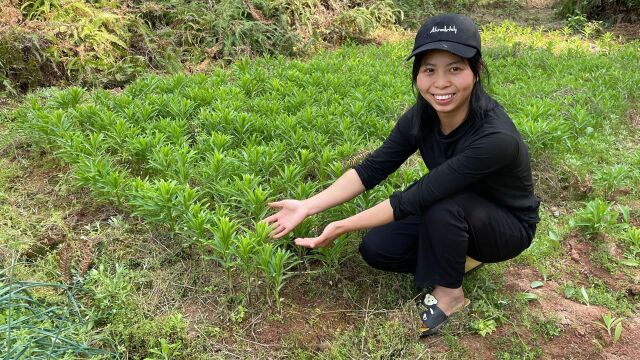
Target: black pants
x: 433, y: 246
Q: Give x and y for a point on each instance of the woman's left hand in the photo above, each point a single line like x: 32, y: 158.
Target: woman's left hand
x: 330, y: 233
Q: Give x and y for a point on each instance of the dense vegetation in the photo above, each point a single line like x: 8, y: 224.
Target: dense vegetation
x: 195, y: 158
x: 609, y: 10
x: 109, y: 42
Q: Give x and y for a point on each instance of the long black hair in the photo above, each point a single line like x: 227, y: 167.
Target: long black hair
x: 479, y: 103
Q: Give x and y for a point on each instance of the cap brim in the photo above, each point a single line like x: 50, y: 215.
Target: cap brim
x: 455, y: 48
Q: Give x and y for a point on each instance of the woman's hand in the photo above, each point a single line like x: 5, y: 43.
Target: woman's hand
x: 291, y: 214
x: 330, y: 233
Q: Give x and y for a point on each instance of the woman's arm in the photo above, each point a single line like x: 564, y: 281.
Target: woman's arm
x: 398, y: 146
x: 376, y: 216
x: 342, y: 190
x: 293, y: 212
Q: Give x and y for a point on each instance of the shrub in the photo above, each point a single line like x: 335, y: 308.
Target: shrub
x: 599, y: 9
x: 23, y: 61
x: 596, y: 216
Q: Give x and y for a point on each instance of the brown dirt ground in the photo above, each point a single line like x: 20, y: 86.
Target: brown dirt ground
x: 9, y: 16
x: 578, y: 321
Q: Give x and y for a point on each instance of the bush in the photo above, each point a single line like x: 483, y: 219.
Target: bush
x: 107, y: 44
x: 23, y: 61
x: 609, y: 10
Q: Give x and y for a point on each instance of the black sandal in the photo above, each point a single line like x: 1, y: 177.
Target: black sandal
x: 432, y: 319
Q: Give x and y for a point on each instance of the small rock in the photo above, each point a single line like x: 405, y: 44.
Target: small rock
x: 580, y: 331
x: 612, y: 249
x: 575, y: 256
x: 564, y: 320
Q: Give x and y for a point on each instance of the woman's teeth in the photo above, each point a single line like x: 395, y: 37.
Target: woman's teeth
x: 443, y: 97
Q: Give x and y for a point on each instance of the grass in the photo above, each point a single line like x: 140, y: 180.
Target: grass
x: 145, y: 294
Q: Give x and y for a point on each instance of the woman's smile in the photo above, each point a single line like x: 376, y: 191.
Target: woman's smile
x: 443, y: 99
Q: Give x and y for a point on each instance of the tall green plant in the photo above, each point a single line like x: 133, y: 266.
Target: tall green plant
x: 275, y: 265
x: 223, y: 245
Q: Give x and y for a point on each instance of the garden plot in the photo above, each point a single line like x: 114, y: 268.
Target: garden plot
x: 199, y: 157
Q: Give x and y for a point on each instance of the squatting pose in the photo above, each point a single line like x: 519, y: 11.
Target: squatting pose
x: 477, y: 199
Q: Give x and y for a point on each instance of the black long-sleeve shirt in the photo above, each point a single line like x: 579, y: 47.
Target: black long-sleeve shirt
x: 486, y: 156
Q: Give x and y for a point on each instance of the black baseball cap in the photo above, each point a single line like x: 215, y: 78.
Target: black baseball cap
x: 454, y: 33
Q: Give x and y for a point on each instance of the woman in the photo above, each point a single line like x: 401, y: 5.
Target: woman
x: 477, y: 198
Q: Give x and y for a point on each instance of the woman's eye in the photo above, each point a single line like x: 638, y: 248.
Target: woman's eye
x: 454, y: 69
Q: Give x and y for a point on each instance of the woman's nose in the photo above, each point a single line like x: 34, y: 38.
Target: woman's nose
x: 441, y: 81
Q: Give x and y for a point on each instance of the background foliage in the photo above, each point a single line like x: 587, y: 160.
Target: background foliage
x: 610, y: 10
x: 108, y: 43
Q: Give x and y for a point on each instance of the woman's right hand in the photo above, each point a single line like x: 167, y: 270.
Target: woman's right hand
x: 291, y: 214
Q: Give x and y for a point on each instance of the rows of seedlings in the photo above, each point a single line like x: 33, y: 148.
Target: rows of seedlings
x: 201, y: 156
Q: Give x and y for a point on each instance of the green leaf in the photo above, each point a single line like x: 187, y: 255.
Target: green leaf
x: 585, y: 296
x: 569, y: 292
x: 630, y: 262
x: 536, y: 284
x: 618, y: 332
x: 554, y: 236
x: 527, y: 296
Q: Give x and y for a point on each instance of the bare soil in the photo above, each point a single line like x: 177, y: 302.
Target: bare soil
x: 9, y: 16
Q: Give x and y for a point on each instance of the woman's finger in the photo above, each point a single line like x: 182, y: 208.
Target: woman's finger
x: 284, y: 232
x: 277, y: 230
x: 301, y: 242
x: 310, y: 243
x: 271, y: 219
x: 275, y: 204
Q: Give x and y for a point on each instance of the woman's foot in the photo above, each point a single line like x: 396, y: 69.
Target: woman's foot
x: 437, y: 306
x: 449, y: 300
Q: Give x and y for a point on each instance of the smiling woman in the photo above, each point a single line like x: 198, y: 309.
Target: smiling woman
x: 445, y: 81
x: 477, y: 199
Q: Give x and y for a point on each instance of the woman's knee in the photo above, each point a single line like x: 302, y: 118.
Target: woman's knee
x: 379, y: 253
x: 442, y: 212
x: 368, y: 250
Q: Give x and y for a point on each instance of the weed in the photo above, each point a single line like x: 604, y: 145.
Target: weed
x: 596, y: 217
x: 34, y: 327
x: 111, y: 293
x: 483, y: 327
x: 598, y: 293
x: 632, y: 242
x: 378, y: 339
x: 511, y: 348
x: 548, y: 328
x: 611, y: 179
x: 609, y: 323
x: 147, y: 336
x: 166, y: 351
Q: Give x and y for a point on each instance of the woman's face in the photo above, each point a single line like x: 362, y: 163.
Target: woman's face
x: 445, y: 80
